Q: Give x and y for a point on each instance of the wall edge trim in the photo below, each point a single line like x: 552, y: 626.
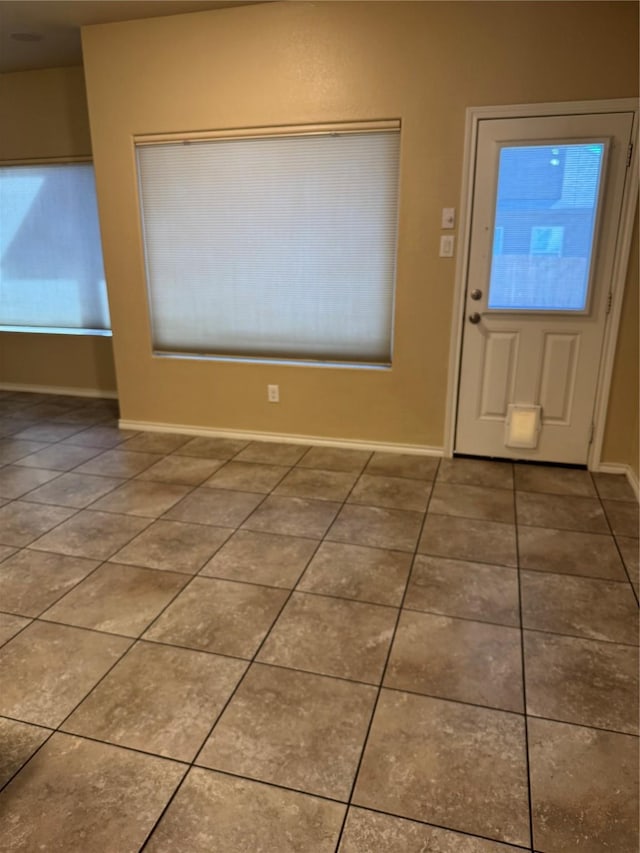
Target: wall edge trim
x: 59, y: 389
x: 290, y: 438
x: 621, y: 468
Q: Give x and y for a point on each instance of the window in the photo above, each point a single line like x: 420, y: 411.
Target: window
x: 545, y: 221
x: 278, y: 247
x: 51, y: 272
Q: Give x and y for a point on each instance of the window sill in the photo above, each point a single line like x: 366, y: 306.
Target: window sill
x: 55, y: 330
x: 287, y: 362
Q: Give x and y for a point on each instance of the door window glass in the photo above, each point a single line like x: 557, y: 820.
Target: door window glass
x: 544, y: 226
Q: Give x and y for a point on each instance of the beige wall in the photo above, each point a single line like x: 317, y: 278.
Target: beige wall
x: 43, y: 114
x: 621, y: 436
x: 291, y: 63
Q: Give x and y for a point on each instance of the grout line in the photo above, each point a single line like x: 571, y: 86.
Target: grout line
x: 24, y: 763
x: 253, y: 661
x: 240, y: 681
x: 384, y: 668
x: 524, y: 688
x: 228, y: 701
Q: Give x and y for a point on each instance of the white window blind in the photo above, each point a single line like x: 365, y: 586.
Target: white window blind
x: 272, y: 247
x: 51, y: 272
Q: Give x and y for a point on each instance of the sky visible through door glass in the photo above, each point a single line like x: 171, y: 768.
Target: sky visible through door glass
x: 544, y: 226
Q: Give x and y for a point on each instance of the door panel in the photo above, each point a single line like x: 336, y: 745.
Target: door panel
x: 559, y: 363
x: 501, y: 354
x: 547, y: 196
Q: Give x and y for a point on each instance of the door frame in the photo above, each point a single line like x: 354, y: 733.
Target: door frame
x: 621, y: 256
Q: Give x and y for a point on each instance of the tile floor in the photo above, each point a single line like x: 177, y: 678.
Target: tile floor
x: 214, y: 645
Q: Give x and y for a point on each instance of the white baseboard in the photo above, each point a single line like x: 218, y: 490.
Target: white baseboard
x: 621, y: 468
x: 55, y: 389
x: 347, y: 443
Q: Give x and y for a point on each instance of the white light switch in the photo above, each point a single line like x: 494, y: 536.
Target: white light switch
x: 446, y: 245
x: 448, y: 217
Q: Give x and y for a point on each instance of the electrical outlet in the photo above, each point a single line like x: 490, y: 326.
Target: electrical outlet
x: 273, y: 393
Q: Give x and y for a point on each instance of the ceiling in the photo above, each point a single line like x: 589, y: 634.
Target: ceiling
x: 57, y: 24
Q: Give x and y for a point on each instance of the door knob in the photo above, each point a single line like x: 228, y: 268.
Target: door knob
x: 476, y: 294
x: 474, y: 318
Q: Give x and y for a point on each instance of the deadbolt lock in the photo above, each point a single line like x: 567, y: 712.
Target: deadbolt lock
x: 476, y: 294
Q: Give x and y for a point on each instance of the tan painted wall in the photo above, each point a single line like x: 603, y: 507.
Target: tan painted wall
x: 44, y: 114
x: 621, y: 435
x: 289, y: 63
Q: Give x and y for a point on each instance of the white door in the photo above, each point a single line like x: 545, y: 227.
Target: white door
x: 546, y: 208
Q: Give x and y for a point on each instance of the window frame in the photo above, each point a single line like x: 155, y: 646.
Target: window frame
x: 276, y: 131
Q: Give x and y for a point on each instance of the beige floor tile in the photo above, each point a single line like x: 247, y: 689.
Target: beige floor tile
x: 6, y: 551
x: 335, y: 459
x: 82, y: 416
x: 554, y: 480
x: 614, y: 487
x: 272, y: 452
x: 584, y: 789
x: 391, y: 492
x: 59, y: 457
x: 247, y: 477
x: 140, y: 497
x: 21, y: 522
x: 630, y: 550
x: 156, y: 442
x: 353, y: 571
x: 262, y: 558
x: 101, y: 436
x: 583, y: 607
x: 570, y: 553
x: 64, y: 663
x: 117, y: 599
x: 403, y: 465
x: 119, y: 463
x: 158, y: 699
x: 469, y: 539
x: 453, y: 765
x: 213, y: 448
x: 10, y: 625
x: 366, y: 831
x: 219, y: 616
x: 582, y: 681
x: 468, y: 590
x: 49, y: 431
x: 53, y: 407
x: 96, y: 535
x: 215, y: 813
x: 316, y: 484
x: 87, y: 796
x: 472, y: 502
x: 182, y: 470
x: 12, y: 449
x: 564, y: 512
x: 18, y: 742
x: 215, y: 506
x: 173, y: 546
x: 457, y: 659
x: 294, y: 729
x: 30, y: 581
x: 476, y: 472
x: 293, y: 517
x: 74, y: 490
x: 331, y: 636
x: 15, y: 481
x: 623, y: 517
x: 393, y: 529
